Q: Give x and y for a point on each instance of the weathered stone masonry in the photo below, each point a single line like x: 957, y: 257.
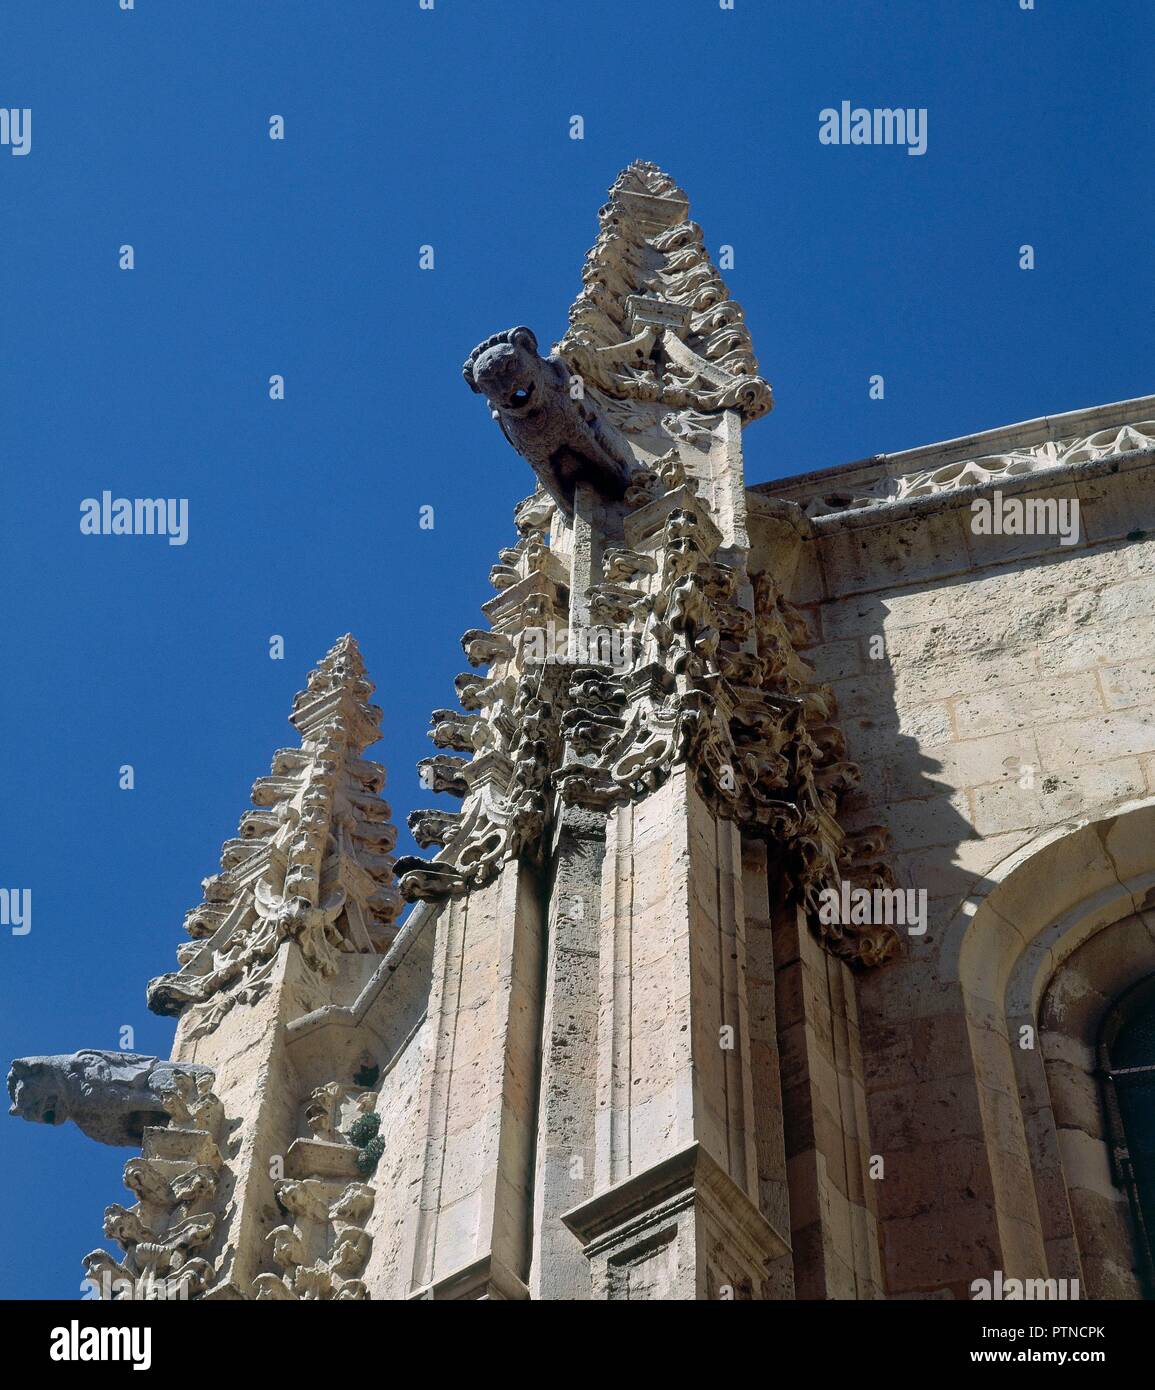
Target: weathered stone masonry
x: 616, y: 1049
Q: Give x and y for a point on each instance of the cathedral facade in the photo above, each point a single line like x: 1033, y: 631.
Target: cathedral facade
x: 787, y: 930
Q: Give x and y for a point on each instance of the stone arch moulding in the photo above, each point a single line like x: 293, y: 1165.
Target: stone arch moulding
x: 1003, y: 949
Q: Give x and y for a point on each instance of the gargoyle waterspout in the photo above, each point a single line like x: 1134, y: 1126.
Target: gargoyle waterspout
x: 111, y: 1096
x: 543, y: 412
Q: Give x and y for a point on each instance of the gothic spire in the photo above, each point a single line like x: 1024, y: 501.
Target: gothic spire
x: 312, y: 864
x: 654, y: 320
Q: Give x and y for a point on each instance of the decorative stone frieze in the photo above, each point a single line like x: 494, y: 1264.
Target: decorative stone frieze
x: 1050, y: 455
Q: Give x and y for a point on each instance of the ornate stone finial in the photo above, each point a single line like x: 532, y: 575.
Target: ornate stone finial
x: 654, y: 320
x: 654, y: 326
x: 312, y: 865
x: 632, y: 426
x: 336, y: 698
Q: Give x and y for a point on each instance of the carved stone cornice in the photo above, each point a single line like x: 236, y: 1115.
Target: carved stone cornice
x: 1051, y: 450
x: 626, y: 1214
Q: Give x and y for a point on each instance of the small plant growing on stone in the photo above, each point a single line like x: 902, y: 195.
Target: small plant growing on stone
x: 370, y: 1156
x: 363, y: 1134
x: 364, y: 1128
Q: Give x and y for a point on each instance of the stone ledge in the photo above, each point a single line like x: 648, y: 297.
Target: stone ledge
x: 484, y: 1279
x: 1044, y: 480
x: 623, y: 1213
x: 801, y: 487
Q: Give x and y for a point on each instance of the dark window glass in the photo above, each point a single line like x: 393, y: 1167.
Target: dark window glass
x: 1129, y: 1047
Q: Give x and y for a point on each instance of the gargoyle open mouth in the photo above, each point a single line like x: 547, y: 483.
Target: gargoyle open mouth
x: 521, y: 397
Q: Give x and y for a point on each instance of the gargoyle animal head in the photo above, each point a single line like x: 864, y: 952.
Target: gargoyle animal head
x: 544, y: 412
x: 111, y: 1096
x: 507, y: 370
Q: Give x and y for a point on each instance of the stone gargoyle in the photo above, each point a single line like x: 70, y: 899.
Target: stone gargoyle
x: 557, y: 431
x: 111, y: 1096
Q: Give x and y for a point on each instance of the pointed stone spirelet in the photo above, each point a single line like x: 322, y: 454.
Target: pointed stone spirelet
x: 654, y: 340
x: 655, y: 320
x: 312, y: 863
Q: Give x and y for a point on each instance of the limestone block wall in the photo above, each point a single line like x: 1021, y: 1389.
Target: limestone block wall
x: 1001, y: 654
x: 995, y: 690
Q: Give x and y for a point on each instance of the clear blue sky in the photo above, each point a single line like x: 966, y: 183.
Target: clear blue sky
x: 451, y: 128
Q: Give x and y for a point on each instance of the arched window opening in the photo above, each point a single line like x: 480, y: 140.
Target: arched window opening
x: 1127, y: 1062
